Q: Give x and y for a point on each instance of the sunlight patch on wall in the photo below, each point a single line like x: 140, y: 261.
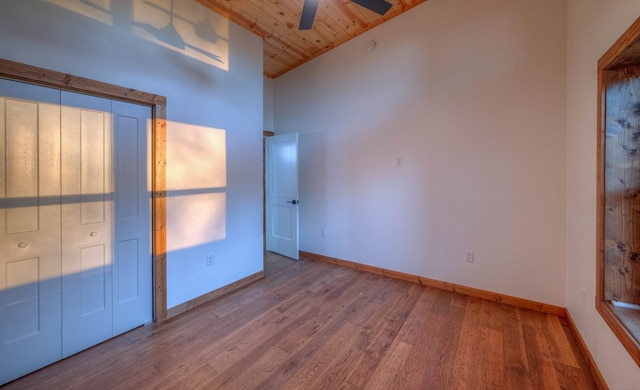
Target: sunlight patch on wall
x: 186, y: 27
x: 196, y: 184
x: 196, y: 157
x: 196, y: 219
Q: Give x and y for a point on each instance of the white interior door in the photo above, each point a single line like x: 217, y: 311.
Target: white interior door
x: 30, y: 302
x: 282, y: 194
x: 75, y: 226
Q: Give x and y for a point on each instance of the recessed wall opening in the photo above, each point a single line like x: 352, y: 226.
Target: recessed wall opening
x: 618, y: 227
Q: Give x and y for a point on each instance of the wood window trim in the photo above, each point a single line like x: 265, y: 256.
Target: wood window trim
x: 44, y: 77
x: 624, y: 53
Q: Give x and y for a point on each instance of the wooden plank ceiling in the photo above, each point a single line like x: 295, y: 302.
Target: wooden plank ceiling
x: 286, y: 47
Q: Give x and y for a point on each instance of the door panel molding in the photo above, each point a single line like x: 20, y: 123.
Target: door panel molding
x: 44, y: 77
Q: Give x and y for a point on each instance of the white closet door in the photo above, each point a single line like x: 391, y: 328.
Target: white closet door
x: 87, y: 221
x: 75, y: 223
x: 132, y: 271
x: 30, y: 316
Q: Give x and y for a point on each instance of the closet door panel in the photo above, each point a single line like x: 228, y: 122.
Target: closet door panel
x: 30, y: 263
x: 133, y: 290
x: 87, y: 241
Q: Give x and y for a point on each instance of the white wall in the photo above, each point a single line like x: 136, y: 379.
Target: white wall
x: 471, y: 95
x: 268, y: 103
x: 214, y: 113
x: 594, y: 25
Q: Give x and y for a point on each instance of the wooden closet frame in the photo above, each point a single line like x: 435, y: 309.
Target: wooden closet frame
x: 48, y: 78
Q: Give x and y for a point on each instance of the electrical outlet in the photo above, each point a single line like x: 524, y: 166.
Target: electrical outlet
x: 209, y: 260
x: 468, y: 256
x: 584, y: 297
x: 323, y: 233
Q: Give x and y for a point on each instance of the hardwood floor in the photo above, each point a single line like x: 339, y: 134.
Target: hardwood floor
x: 315, y: 325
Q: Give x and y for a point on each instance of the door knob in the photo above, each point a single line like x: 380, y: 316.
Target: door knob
x: 293, y: 201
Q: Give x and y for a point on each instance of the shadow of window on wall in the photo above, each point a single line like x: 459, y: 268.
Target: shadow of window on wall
x: 618, y: 235
x: 186, y: 27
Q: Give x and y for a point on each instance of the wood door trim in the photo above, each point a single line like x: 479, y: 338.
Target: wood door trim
x: 265, y: 134
x: 49, y: 78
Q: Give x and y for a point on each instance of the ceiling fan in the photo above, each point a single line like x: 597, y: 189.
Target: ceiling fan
x: 311, y: 6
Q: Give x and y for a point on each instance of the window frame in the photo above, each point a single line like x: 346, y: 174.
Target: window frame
x: 624, y: 53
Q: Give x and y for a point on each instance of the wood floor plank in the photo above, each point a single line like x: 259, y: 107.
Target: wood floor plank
x: 465, y: 363
x: 269, y: 363
x: 316, y: 325
x: 305, y: 342
x: 570, y: 377
x: 232, y: 344
x: 388, y: 374
x: 515, y: 352
x: 427, y: 332
x: 366, y: 320
x: 318, y: 363
x: 413, y: 330
x: 276, y: 286
x: 189, y: 376
x: 438, y: 341
x: 559, y: 349
x: 541, y: 366
x: 386, y: 331
x: 245, y: 347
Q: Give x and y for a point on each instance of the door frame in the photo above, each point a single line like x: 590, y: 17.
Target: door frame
x: 34, y: 75
x: 265, y: 135
x: 269, y: 209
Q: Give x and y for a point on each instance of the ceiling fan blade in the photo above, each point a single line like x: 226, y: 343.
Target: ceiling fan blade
x: 308, y: 14
x: 378, y: 6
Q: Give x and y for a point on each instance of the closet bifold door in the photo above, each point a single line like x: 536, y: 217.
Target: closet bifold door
x: 75, y: 223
